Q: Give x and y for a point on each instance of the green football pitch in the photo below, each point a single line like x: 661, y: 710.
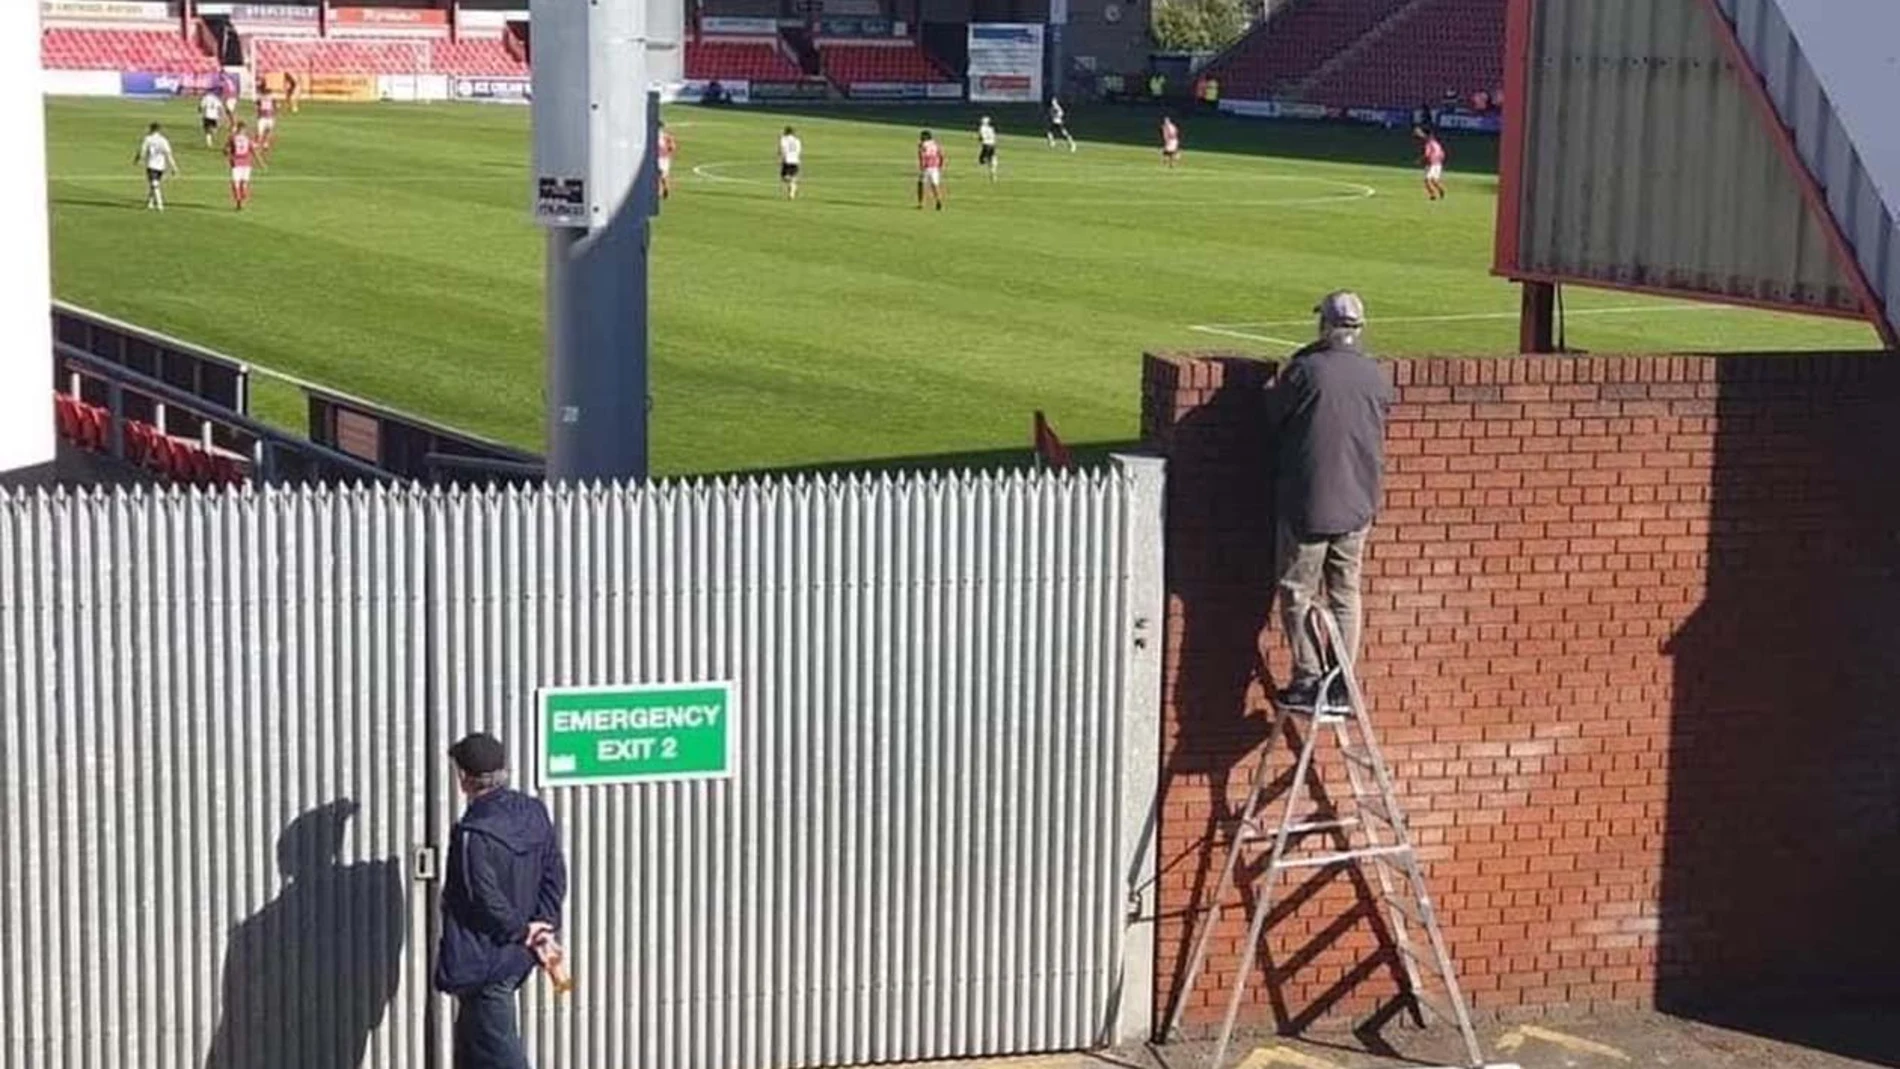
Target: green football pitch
x: 389, y: 253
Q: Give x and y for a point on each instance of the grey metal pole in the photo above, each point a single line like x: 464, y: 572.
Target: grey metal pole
x: 592, y: 128
x: 597, y: 353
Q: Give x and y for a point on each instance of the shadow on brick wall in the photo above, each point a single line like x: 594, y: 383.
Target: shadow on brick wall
x: 1781, y: 851
x: 1204, y: 415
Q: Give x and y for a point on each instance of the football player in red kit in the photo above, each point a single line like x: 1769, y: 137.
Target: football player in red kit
x: 240, y: 151
x: 929, y: 169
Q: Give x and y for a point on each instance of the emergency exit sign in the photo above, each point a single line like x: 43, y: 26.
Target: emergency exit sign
x: 634, y: 734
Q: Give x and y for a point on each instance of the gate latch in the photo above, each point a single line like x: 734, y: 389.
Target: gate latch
x: 423, y: 863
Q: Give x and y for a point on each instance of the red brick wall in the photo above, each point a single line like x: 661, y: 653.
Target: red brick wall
x: 1631, y: 649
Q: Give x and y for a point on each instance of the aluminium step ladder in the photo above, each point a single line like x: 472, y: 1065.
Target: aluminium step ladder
x: 1374, y: 832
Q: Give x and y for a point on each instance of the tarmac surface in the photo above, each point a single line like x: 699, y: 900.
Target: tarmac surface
x: 1762, y: 1041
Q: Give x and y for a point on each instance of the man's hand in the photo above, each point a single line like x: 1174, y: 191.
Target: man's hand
x: 537, y: 931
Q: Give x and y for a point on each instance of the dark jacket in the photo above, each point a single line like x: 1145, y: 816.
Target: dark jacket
x: 504, y: 870
x: 1327, y: 411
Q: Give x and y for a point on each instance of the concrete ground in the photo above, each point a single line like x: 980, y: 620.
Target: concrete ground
x: 1805, y: 1041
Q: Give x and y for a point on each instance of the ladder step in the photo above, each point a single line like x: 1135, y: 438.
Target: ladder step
x: 1358, y: 755
x: 1326, y: 714
x: 1317, y: 861
x: 1255, y: 833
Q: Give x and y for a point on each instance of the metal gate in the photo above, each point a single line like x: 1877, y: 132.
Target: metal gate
x: 223, y: 723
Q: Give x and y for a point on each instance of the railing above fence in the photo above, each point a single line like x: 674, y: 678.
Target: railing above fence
x: 274, y: 455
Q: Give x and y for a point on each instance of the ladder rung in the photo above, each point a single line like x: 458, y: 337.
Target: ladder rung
x: 1302, y: 827
x: 1316, y: 861
x: 1326, y: 714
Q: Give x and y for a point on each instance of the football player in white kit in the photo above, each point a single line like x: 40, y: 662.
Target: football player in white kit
x: 211, y: 113
x: 1058, y: 125
x: 986, y: 152
x: 790, y: 151
x: 155, y: 152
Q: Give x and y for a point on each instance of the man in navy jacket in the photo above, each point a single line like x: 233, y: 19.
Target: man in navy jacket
x: 501, y: 894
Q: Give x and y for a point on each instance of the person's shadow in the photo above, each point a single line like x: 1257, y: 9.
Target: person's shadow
x: 308, y: 977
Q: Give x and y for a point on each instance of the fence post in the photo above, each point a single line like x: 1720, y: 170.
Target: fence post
x: 1141, y: 744
x: 115, y: 429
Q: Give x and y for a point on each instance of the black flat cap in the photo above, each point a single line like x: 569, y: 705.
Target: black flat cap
x: 479, y: 754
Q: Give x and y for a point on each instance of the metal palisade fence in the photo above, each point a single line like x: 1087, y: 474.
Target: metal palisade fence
x: 223, y: 720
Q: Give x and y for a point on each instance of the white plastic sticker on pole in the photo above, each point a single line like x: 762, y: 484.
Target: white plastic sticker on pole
x: 589, y: 71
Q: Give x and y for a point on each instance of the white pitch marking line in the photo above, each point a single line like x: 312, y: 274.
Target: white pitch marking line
x: 1247, y: 335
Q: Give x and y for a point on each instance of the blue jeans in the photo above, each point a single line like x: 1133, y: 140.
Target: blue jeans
x: 486, y: 1033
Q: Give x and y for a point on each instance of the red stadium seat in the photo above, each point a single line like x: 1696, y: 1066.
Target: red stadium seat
x: 881, y: 61
x: 1437, y: 47
x: 476, y: 59
x: 335, y: 56
x: 1296, y: 43
x: 740, y: 59
x: 155, y: 51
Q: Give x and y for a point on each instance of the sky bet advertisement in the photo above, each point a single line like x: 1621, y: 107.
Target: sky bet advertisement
x: 144, y: 84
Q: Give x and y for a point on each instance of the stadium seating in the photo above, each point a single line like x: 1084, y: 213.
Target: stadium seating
x: 89, y: 426
x: 1295, y: 44
x: 155, y: 51
x: 905, y: 61
x: 333, y: 56
x: 747, y: 59
x: 1435, y: 47
x: 476, y: 59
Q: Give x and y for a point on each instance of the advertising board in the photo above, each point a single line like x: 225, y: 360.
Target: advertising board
x: 390, y: 17
x: 732, y: 26
x: 148, y: 84
x: 106, y: 11
x: 771, y: 92
x: 358, y: 87
x: 1006, y: 61
x: 693, y: 91
x: 492, y: 90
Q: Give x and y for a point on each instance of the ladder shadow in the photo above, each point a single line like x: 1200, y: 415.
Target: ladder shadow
x: 1280, y: 975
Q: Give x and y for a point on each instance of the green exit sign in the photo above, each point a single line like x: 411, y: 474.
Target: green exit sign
x: 635, y: 734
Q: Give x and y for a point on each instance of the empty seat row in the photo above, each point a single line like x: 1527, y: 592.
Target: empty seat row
x: 330, y: 56
x: 90, y: 427
x: 740, y: 59
x: 1437, y: 49
x: 1295, y: 44
x: 904, y: 62
x: 153, y: 51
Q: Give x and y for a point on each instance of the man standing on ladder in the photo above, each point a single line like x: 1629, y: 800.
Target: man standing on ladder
x: 1326, y: 417
x: 502, y: 893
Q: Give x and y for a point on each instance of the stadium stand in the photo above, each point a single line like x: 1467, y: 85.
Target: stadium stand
x: 334, y: 56
x: 89, y: 426
x: 740, y: 58
x: 489, y: 58
x: 157, y: 51
x: 879, y: 61
x: 1294, y: 44
x: 1433, y: 48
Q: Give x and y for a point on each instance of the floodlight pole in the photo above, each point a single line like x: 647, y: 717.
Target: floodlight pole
x: 594, y: 121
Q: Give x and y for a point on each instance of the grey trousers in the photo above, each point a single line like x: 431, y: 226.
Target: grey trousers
x: 1312, y: 566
